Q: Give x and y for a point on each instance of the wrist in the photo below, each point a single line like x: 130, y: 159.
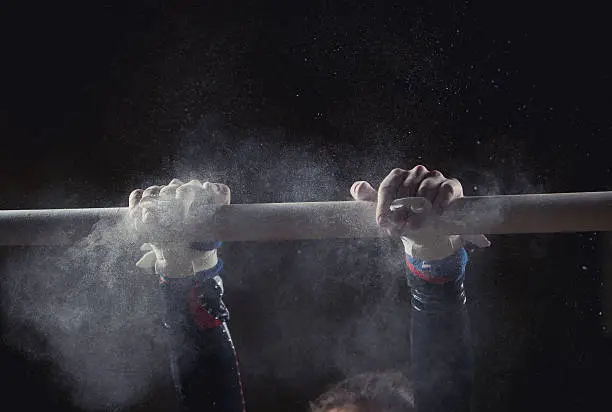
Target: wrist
x: 205, y: 261
x: 173, y: 268
x: 185, y: 263
x: 432, y: 248
x: 448, y: 269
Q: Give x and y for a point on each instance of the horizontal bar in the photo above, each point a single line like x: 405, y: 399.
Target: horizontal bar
x: 506, y: 214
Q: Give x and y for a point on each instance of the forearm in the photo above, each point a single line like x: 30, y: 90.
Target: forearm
x: 203, y: 359
x: 440, y: 338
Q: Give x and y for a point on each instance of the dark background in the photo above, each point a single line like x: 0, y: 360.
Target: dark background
x: 293, y: 101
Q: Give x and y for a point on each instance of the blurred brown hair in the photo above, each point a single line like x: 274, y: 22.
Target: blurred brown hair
x: 370, y: 392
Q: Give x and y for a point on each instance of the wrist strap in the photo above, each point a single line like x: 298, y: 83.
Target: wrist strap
x: 198, y: 277
x: 440, y: 271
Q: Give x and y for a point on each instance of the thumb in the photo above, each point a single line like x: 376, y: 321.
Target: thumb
x: 364, y: 191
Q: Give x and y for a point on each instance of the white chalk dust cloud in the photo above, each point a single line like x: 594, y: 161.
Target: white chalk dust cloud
x: 89, y: 310
x: 91, y: 313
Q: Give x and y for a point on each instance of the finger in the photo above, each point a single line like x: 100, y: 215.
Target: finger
x: 429, y: 185
x: 413, y: 180
x: 135, y: 211
x: 449, y: 190
x: 168, y: 192
x: 420, y: 183
x: 215, y: 194
x: 364, y: 191
x: 135, y: 197
x: 387, y: 192
x: 148, y: 213
x: 150, y: 193
x: 188, y: 192
x: 225, y: 194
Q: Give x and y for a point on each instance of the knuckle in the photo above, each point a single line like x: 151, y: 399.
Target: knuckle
x: 419, y: 169
x: 450, y: 186
x: 173, y: 185
x: 206, y: 187
x: 428, y: 184
x: 187, y: 187
x: 191, y: 187
x: 136, y: 194
x: 167, y: 192
x: 359, y: 187
x: 151, y: 190
x: 447, y: 187
x: 426, y: 187
x: 397, y: 172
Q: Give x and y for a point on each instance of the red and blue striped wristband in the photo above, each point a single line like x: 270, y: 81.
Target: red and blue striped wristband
x: 441, y: 271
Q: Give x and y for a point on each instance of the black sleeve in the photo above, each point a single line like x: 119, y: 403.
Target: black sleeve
x: 442, y: 361
x: 203, y: 359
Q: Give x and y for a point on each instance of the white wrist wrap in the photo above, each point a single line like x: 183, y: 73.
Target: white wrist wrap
x: 187, y: 261
x: 433, y: 248
x: 439, y: 247
x: 205, y: 261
